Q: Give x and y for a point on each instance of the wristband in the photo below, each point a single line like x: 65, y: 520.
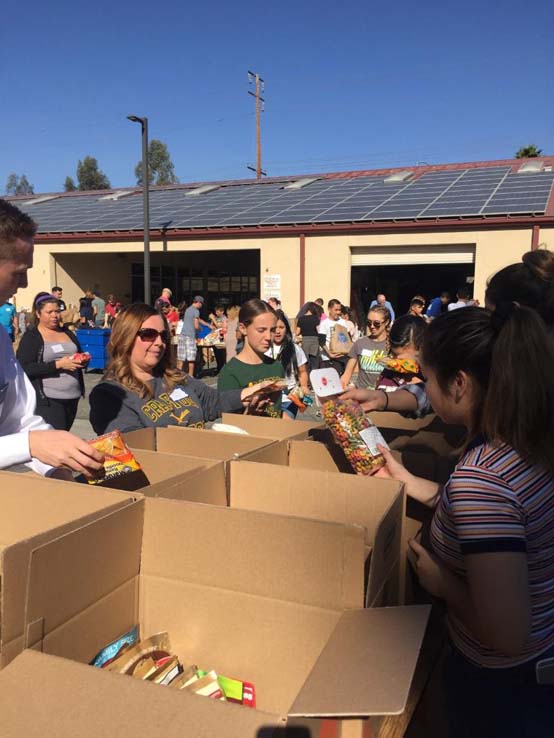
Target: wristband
x: 386, y: 399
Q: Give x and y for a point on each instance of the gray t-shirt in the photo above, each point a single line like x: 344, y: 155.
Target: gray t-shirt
x: 191, y: 404
x: 66, y: 385
x: 189, y: 328
x: 100, y: 306
x: 367, y: 352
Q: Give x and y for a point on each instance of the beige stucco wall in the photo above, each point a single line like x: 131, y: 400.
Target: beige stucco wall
x: 328, y: 260
x: 108, y: 265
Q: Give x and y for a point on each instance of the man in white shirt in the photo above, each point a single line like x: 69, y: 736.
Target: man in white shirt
x: 463, y: 300
x: 24, y: 437
x: 327, y: 328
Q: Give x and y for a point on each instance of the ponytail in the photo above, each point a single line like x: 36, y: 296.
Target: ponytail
x: 509, y: 354
x: 287, y: 355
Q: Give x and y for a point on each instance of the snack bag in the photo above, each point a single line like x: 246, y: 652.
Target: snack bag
x: 121, y: 469
x: 355, y: 434
x: 83, y: 357
x: 235, y: 690
x: 400, y: 366
x: 110, y: 652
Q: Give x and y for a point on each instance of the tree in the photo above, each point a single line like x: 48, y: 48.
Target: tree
x: 19, y: 185
x: 69, y: 185
x: 528, y: 152
x: 89, y: 177
x: 160, y: 166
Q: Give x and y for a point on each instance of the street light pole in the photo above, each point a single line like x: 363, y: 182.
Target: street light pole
x: 146, y: 204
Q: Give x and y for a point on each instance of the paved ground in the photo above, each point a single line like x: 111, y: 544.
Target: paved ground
x: 83, y: 428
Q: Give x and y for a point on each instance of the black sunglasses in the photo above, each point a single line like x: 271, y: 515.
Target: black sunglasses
x: 149, y: 335
x: 375, y: 323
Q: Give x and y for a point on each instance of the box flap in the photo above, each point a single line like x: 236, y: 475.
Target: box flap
x: 30, y: 504
x: 44, y: 695
x: 367, y: 665
x: 206, y: 444
x: 143, y: 438
x: 73, y: 572
x: 278, y: 429
x: 308, y: 562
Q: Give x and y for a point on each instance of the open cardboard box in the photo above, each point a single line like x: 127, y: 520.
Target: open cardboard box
x: 34, y: 510
x: 271, y: 599
x: 277, y: 429
x: 195, y: 443
x: 303, y: 456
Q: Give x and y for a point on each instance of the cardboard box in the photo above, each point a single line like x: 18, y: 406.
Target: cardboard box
x: 277, y: 429
x: 36, y: 690
x: 329, y: 458
x: 375, y: 504
x: 200, y: 446
x: 34, y: 510
x: 262, y: 597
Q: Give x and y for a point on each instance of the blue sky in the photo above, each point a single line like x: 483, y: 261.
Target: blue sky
x: 348, y: 86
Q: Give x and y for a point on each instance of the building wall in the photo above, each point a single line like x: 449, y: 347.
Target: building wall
x: 327, y: 265
x: 107, y: 266
x: 328, y: 258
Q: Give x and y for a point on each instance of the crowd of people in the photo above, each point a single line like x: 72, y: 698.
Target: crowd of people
x: 490, y: 555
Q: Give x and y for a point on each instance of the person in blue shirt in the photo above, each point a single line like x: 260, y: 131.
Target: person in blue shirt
x: 383, y: 302
x: 438, y: 305
x: 8, y: 319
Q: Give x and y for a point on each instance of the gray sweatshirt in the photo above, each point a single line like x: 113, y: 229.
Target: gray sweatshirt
x: 190, y: 404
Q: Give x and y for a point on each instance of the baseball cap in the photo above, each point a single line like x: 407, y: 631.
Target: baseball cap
x: 199, y: 298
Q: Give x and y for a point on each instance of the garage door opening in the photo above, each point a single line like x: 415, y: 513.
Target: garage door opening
x: 403, y: 273
x: 221, y: 277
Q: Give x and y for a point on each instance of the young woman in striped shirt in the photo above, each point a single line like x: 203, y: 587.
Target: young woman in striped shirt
x: 492, y: 537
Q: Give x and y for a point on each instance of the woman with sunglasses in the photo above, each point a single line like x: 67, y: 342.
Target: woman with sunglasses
x: 47, y: 352
x: 142, y: 388
x: 366, y: 352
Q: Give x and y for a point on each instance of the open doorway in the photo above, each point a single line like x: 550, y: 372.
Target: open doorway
x: 400, y: 283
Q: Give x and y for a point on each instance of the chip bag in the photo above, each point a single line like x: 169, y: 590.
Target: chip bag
x: 121, y: 469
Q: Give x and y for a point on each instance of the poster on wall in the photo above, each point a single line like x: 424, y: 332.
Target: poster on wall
x: 272, y: 286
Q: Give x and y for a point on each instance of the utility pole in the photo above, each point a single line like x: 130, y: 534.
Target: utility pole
x: 254, y: 77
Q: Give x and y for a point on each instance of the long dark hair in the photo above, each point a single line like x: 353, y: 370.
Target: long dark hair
x: 530, y: 282
x: 287, y: 356
x: 509, y: 354
x: 407, y: 329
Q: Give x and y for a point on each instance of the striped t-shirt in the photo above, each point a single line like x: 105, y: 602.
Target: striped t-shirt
x: 494, y: 501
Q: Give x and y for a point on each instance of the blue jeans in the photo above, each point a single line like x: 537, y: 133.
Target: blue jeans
x: 496, y: 703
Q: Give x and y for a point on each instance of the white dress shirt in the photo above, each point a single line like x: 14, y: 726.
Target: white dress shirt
x: 17, y: 411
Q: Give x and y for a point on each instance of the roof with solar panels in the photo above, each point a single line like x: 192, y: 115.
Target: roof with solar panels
x: 506, y: 189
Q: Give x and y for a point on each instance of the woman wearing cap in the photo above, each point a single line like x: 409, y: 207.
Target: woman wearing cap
x: 47, y: 353
x: 142, y: 388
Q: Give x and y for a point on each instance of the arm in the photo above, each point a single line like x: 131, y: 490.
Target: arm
x: 15, y: 324
x: 422, y: 490
x: 303, y: 378
x: 297, y: 331
x: 213, y: 402
x: 398, y: 401
x: 347, y: 376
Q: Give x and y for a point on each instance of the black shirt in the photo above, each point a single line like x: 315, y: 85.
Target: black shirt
x: 308, y: 325
x: 85, y: 308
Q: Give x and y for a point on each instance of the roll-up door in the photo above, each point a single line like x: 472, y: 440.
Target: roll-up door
x: 412, y: 255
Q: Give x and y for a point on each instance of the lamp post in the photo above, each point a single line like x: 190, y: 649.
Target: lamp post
x: 146, y: 204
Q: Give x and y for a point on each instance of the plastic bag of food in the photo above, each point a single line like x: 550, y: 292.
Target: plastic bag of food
x: 355, y: 434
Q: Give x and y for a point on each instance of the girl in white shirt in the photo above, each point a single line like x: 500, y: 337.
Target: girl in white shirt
x: 293, y: 359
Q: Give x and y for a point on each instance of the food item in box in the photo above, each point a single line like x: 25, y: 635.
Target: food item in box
x: 355, y: 434
x: 110, y: 652
x: 243, y: 693
x: 157, y: 646
x: 185, y: 678
x: 207, y: 686
x: 121, y: 469
x: 299, y: 398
